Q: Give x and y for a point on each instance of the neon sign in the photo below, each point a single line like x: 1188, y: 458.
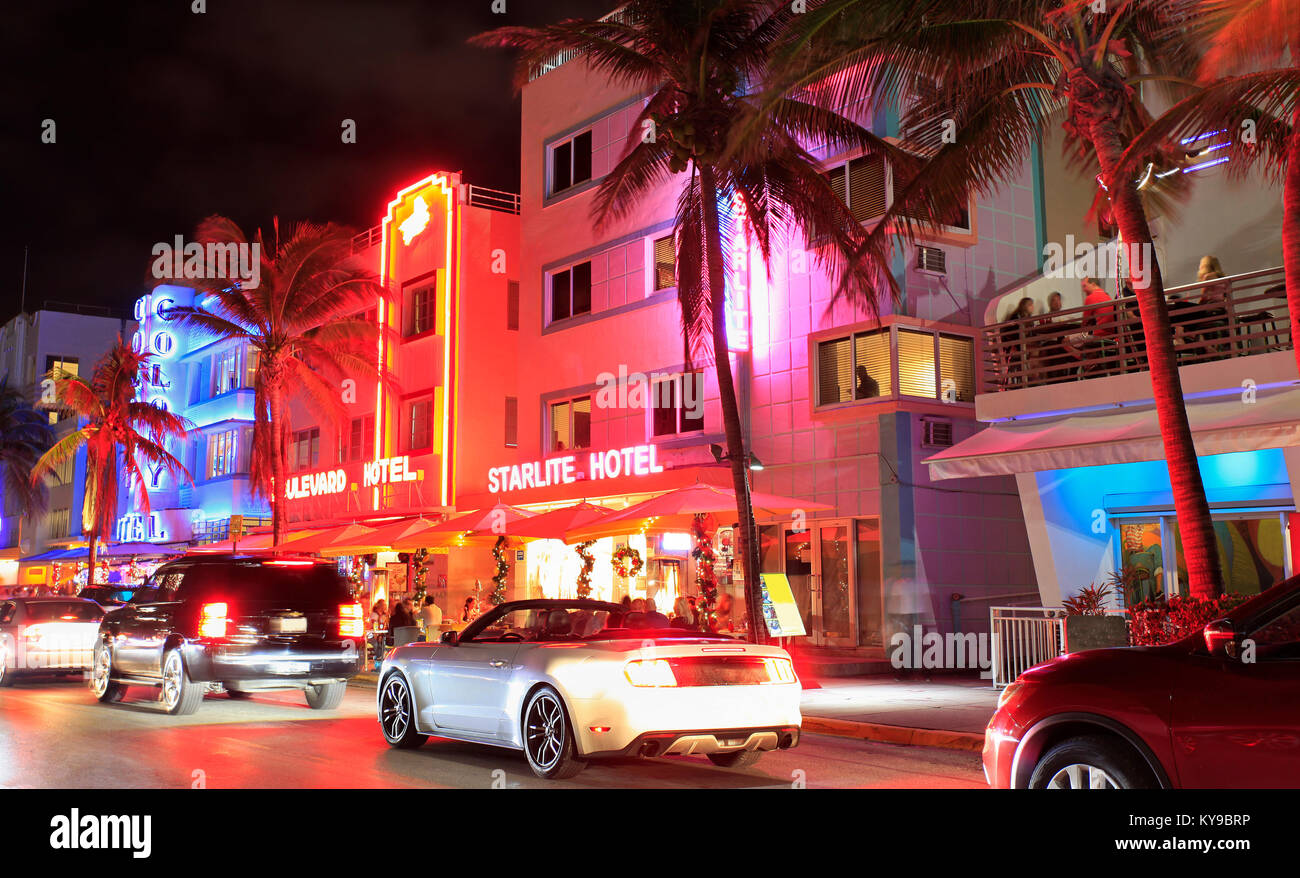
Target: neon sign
x: 134, y: 527
x: 736, y: 303
x: 635, y: 460
x: 417, y: 222
x: 384, y: 471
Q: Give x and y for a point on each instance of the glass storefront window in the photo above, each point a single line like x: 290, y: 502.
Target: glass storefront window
x: 870, y: 604
x: 1252, y: 553
x: 1141, y: 560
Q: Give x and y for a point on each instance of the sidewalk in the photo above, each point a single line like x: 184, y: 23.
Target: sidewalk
x: 949, y: 711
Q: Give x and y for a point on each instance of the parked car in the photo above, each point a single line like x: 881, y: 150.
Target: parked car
x: 1220, y: 708
x: 567, y: 681
x: 46, y: 635
x: 234, y: 624
x: 110, y: 597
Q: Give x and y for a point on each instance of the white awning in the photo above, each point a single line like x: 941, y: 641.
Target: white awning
x: 1220, y: 425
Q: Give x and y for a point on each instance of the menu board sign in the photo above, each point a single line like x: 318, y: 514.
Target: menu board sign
x: 780, y: 612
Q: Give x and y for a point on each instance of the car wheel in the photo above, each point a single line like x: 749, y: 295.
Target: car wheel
x: 1089, y: 763
x: 397, y: 714
x: 101, y: 673
x: 7, y: 673
x: 735, y: 759
x: 181, y: 696
x: 326, y: 696
x: 548, y: 737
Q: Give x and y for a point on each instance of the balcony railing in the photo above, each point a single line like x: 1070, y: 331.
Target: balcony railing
x: 1237, y: 316
x: 475, y: 196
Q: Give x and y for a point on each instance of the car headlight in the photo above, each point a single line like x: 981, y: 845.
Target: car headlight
x: 1008, y: 693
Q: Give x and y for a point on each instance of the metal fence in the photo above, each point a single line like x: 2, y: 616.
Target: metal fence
x: 1024, y: 637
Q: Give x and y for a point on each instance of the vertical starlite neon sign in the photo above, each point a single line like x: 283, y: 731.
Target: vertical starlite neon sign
x: 736, y: 306
x: 412, y: 213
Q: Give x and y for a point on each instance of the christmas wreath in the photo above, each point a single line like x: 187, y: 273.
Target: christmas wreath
x: 627, y: 562
x: 588, y: 564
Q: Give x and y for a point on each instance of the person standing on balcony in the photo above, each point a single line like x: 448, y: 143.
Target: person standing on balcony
x: 1014, y: 333
x: 1214, y: 298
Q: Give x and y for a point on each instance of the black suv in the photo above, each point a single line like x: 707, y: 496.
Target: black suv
x: 235, y: 623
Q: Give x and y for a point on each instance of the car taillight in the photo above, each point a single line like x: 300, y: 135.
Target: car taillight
x: 350, y: 621
x: 779, y: 670
x: 213, y: 620
x: 649, y: 672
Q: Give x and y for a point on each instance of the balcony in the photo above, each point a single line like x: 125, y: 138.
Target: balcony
x: 1238, y: 316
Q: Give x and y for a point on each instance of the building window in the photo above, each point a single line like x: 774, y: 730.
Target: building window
x: 60, y: 523
x: 252, y: 357
x: 852, y: 368
x: 225, y: 371
x: 512, y: 422
x: 571, y: 292
x: 360, y: 443
x: 665, y: 271
x: 61, y: 366
x: 930, y: 365
x: 678, y: 404
x: 570, y: 424
x: 306, y: 449
x: 867, y: 188
x: 512, y: 305
x: 420, y: 316
x: 419, y: 420
x: 571, y: 162
x: 221, y: 453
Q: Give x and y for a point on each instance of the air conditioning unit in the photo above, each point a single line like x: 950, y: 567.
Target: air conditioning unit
x: 931, y: 260
x: 936, y: 432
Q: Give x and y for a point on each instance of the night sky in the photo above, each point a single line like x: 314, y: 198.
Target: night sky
x: 164, y: 116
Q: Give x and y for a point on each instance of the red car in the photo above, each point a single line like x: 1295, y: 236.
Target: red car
x: 1220, y: 708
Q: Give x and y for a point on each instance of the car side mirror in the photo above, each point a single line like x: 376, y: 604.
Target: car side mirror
x: 1221, y: 638
x: 449, y: 637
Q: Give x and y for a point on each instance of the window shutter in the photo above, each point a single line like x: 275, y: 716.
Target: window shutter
x: 916, y: 364
x: 512, y: 421
x: 582, y: 288
x: 512, y: 304
x: 582, y: 157
x: 834, y: 372
x: 665, y: 263
x: 871, y: 353
x: 867, y: 187
x: 582, y: 422
x: 957, y: 364
x: 560, y: 426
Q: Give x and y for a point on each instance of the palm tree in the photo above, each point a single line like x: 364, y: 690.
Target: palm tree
x: 700, y: 62
x: 111, y: 418
x: 1250, y: 75
x: 25, y: 435
x: 997, y: 72
x: 300, y: 321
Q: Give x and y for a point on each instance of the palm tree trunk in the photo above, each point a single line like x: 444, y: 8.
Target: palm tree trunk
x: 277, y: 463
x: 1200, y: 548
x: 1291, y: 232
x: 93, y: 558
x: 745, y: 544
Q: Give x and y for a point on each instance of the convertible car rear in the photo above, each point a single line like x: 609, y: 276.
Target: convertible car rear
x: 571, y: 681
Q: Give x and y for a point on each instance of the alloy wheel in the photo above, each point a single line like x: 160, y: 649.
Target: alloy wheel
x: 100, y: 673
x: 171, y: 687
x: 1081, y: 776
x: 545, y: 731
x: 395, y: 710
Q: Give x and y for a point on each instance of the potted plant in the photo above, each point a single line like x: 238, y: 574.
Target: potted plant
x: 1088, y: 626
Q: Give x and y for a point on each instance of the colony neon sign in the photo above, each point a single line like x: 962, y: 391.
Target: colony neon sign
x: 635, y: 460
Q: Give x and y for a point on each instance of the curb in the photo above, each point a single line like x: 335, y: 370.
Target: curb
x: 969, y: 741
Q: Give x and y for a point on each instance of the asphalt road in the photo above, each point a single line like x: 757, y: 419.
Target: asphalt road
x: 54, y: 734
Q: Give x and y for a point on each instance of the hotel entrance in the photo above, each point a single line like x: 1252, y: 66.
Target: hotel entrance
x: 835, y: 574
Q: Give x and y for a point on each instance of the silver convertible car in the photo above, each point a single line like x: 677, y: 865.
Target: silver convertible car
x: 570, y: 681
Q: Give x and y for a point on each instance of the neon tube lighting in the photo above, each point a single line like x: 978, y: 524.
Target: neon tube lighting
x: 1203, y: 165
x: 1194, y: 138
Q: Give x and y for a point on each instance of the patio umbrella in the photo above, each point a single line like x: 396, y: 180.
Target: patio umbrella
x: 552, y: 525
x: 675, y: 511
x: 381, y: 539
x: 344, y: 534
x: 258, y: 542
x: 482, y: 525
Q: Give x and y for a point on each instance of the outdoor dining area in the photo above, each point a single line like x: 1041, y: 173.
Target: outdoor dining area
x: 1215, y: 318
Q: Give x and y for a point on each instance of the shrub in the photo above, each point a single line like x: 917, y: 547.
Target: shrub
x: 1090, y: 601
x: 1163, y: 621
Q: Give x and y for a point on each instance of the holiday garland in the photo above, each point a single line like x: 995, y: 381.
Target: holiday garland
x: 627, y: 562
x: 498, y: 595
x: 588, y: 564
x: 420, y: 565
x: 704, y: 560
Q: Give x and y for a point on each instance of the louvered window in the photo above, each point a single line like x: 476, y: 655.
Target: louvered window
x: 834, y: 371
x: 665, y: 263
x: 956, y: 368
x: 916, y: 363
x: 871, y: 373
x: 512, y: 421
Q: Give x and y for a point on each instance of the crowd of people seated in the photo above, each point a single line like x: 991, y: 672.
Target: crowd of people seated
x: 1058, y: 345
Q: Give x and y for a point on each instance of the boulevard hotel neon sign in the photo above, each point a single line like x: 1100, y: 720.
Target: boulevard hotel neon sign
x: 385, y: 471
x: 635, y: 460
